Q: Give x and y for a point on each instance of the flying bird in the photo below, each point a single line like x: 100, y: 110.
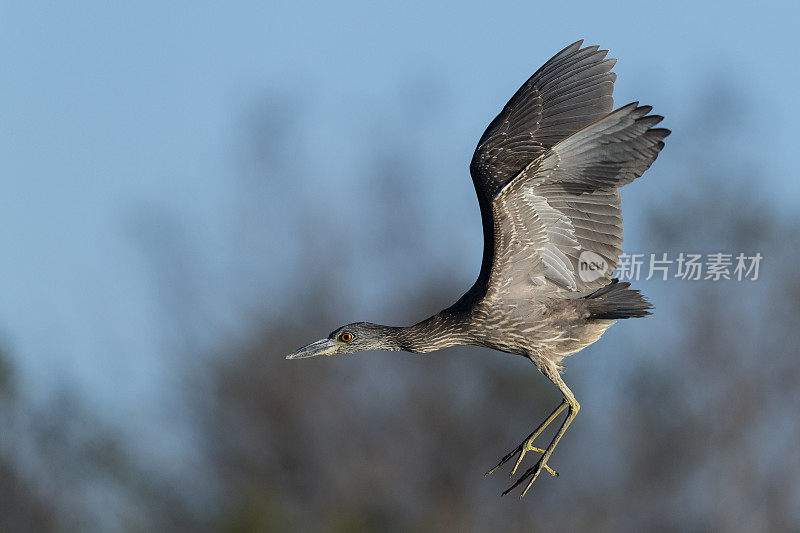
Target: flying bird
x: 547, y: 173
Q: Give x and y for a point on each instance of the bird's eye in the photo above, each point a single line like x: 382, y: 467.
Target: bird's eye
x: 346, y: 337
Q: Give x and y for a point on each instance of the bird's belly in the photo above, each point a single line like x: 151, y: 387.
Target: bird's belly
x: 571, y: 338
x: 556, y: 338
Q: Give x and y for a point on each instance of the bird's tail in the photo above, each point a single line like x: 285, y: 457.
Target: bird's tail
x: 616, y: 300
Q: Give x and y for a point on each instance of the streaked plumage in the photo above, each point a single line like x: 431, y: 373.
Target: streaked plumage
x: 546, y: 173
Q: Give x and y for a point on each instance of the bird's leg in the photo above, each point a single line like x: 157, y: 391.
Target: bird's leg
x: 533, y: 472
x: 527, y: 444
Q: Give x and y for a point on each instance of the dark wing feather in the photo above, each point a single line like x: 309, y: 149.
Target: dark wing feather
x: 570, y: 91
x: 566, y: 202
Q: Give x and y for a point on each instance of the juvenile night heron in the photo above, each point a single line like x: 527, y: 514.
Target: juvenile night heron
x: 546, y: 172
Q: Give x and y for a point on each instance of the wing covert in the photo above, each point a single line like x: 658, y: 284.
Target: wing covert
x: 567, y: 202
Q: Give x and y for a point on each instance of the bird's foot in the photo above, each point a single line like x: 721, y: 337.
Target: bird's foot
x: 527, y: 446
x: 532, y: 473
x: 522, y: 449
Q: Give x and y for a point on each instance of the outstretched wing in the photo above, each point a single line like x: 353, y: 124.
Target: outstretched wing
x: 566, y: 202
x: 570, y: 91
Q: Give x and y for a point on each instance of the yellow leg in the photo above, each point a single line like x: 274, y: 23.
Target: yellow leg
x: 533, y: 472
x: 527, y: 444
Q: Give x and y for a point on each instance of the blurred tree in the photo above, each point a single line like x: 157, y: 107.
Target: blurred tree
x: 21, y: 507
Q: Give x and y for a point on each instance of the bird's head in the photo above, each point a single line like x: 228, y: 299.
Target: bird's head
x: 356, y: 337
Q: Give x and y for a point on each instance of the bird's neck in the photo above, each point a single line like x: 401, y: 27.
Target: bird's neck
x: 442, y: 330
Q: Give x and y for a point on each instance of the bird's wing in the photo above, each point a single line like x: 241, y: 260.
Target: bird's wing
x: 570, y: 91
x: 566, y: 202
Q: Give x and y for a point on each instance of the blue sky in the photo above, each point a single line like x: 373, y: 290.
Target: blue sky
x: 107, y: 107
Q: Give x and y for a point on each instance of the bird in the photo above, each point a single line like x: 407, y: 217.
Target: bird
x: 546, y: 173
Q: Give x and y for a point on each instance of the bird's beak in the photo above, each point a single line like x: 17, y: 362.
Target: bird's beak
x: 320, y: 347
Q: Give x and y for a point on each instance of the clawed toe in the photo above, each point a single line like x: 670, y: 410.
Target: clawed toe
x: 521, y: 450
x: 531, y: 473
x: 505, y: 459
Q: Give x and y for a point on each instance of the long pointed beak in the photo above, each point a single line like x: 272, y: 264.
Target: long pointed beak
x: 320, y: 347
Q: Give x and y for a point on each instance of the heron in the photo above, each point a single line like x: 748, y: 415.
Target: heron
x: 546, y: 172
